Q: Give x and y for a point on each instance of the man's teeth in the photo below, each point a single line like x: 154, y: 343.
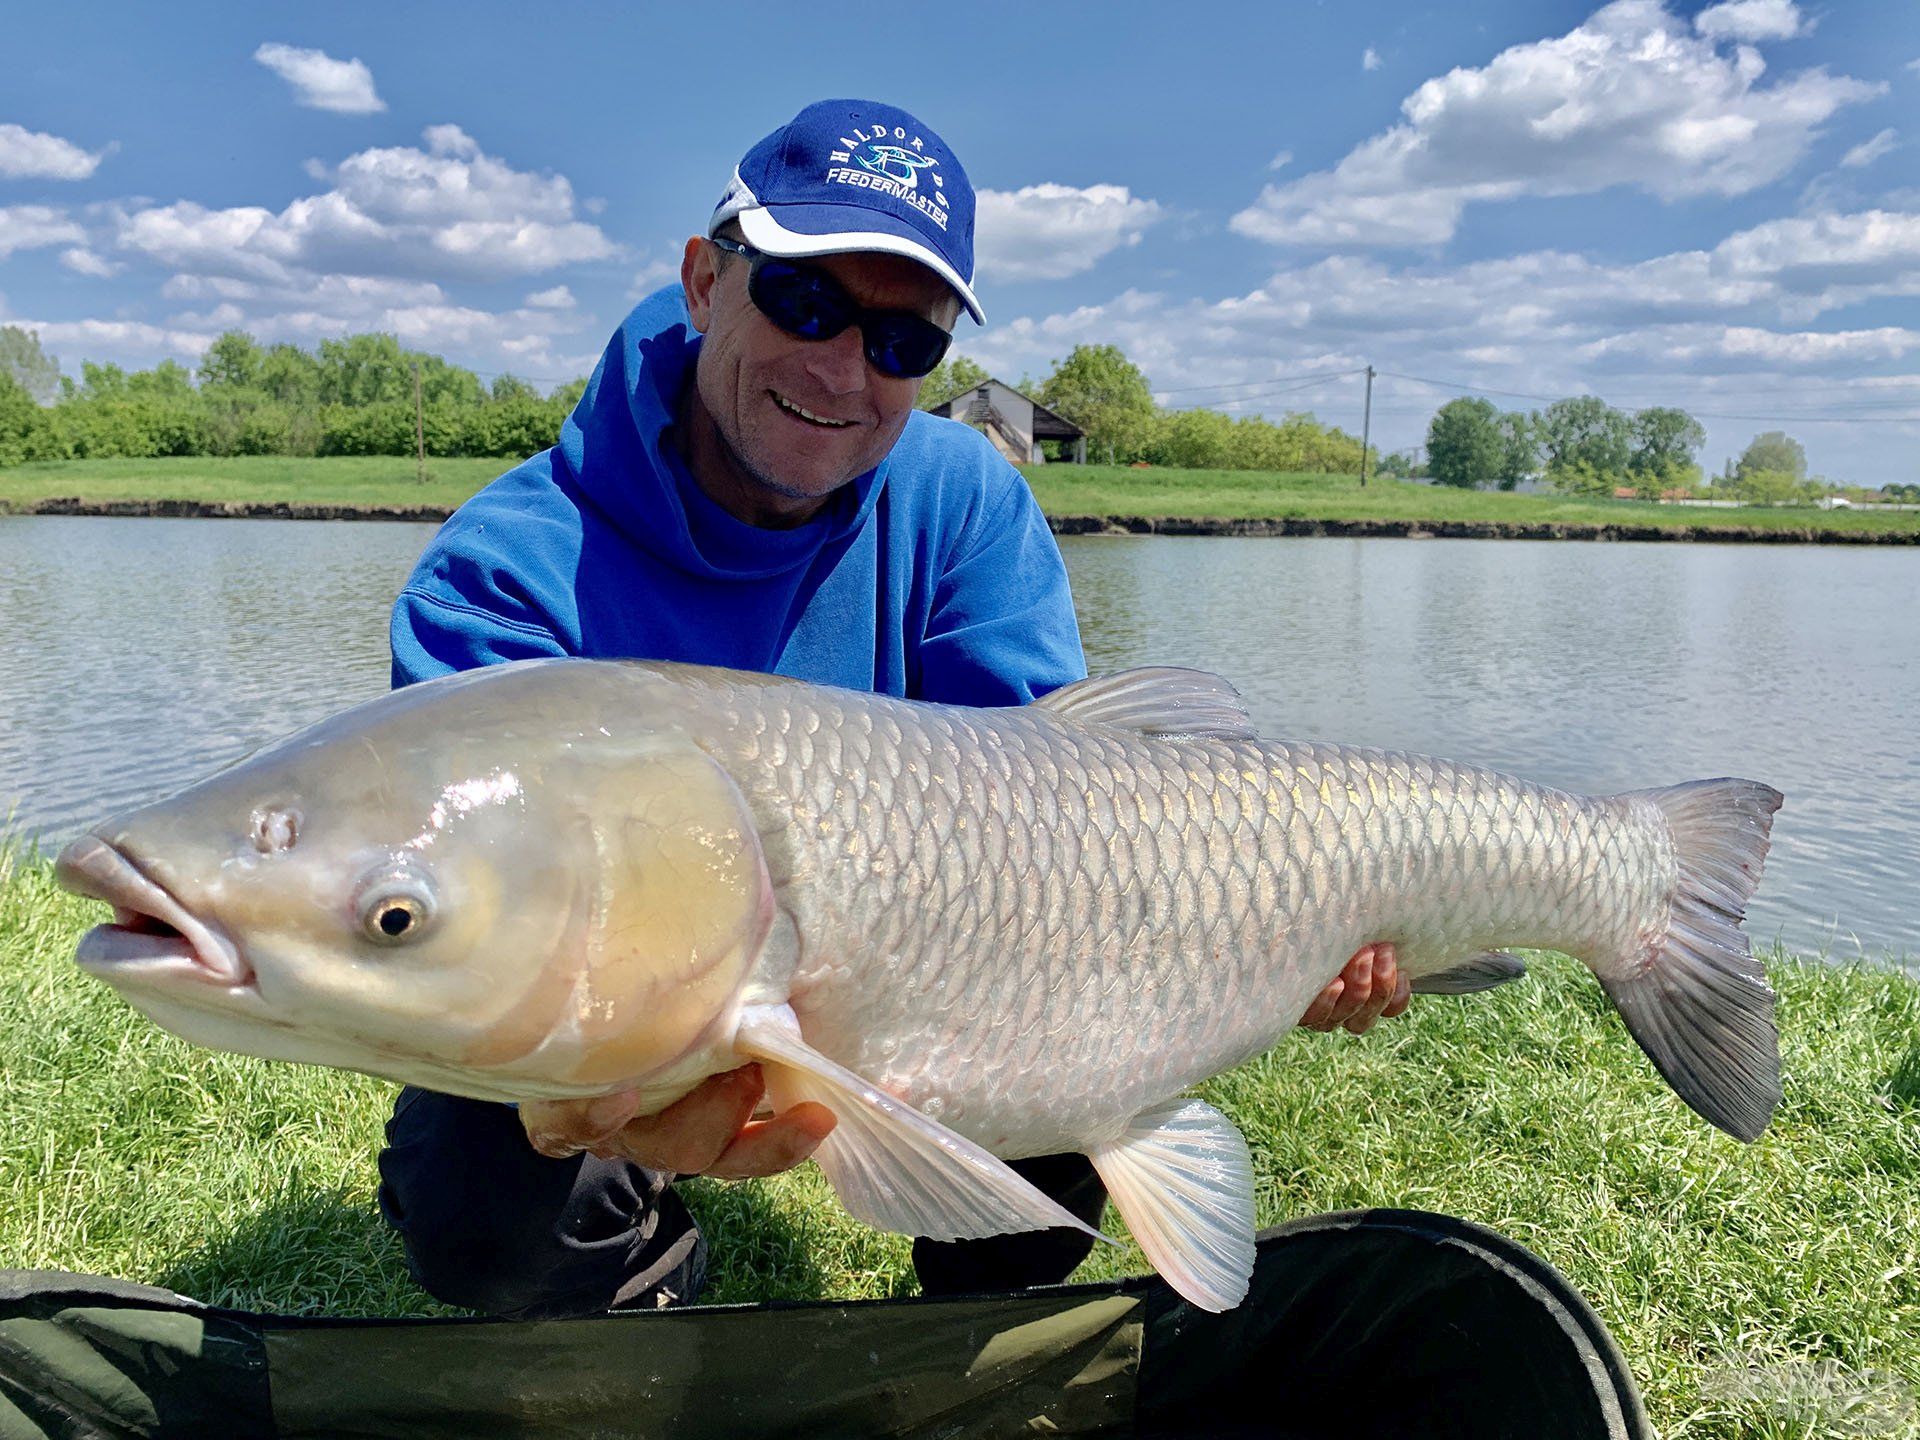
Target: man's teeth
x: 806, y: 414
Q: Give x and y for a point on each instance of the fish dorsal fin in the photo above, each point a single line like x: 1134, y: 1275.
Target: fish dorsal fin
x: 1183, y: 1181
x: 893, y: 1167
x: 1156, y: 700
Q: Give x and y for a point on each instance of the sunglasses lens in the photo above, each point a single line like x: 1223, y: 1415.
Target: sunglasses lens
x: 801, y: 302
x: 811, y: 305
x: 904, y: 346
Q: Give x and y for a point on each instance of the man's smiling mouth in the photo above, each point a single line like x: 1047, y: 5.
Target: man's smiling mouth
x: 801, y: 412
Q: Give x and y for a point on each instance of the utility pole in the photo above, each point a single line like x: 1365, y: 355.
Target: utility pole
x: 419, y: 430
x: 1366, y: 428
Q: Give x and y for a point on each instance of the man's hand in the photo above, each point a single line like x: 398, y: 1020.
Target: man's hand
x: 1370, y: 988
x: 709, y: 1131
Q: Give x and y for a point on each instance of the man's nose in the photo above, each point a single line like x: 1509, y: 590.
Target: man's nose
x: 839, y: 363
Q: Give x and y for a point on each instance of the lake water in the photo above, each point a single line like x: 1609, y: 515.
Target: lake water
x: 140, y: 654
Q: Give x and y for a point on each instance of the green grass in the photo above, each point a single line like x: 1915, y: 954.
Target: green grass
x: 332, y: 480
x: 1062, y: 490
x: 1243, y: 494
x: 1770, y: 1290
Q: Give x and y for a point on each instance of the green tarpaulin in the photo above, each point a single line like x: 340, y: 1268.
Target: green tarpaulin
x: 1362, y: 1325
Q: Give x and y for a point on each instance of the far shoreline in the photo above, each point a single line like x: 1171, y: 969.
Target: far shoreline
x: 1380, y: 527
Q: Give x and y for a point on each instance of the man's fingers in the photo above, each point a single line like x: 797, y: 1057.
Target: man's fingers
x: 1319, y: 1015
x: 559, y: 1128
x: 1383, y: 979
x: 766, y: 1147
x: 690, y: 1134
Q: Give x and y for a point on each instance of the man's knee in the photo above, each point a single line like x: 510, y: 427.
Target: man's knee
x: 490, y: 1224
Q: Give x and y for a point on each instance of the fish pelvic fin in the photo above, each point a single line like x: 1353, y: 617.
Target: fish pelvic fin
x: 893, y: 1167
x: 1183, y: 1181
x: 1696, y: 999
x: 1482, y: 972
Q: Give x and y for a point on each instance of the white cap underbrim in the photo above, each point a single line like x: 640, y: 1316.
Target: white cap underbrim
x: 765, y: 233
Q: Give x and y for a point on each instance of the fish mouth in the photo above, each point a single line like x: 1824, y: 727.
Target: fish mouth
x: 152, y: 936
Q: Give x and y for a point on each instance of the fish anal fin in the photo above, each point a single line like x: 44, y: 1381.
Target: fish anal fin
x: 1156, y: 700
x: 893, y: 1167
x: 1183, y: 1181
x: 1482, y: 972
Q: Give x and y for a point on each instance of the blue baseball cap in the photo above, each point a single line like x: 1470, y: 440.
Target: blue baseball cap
x: 855, y: 175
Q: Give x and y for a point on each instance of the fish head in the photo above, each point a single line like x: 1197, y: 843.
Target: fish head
x: 475, y: 886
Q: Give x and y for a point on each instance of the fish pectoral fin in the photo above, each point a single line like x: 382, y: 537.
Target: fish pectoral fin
x: 1482, y: 972
x: 1183, y: 1181
x: 1156, y: 700
x: 892, y: 1167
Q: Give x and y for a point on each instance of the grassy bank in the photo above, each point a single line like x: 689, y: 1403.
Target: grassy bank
x: 1062, y: 490
x: 1771, y: 1290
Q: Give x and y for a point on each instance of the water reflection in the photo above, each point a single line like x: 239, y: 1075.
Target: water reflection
x: 142, y: 653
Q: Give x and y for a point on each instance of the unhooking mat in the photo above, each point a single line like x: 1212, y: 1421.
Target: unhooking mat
x: 1361, y: 1326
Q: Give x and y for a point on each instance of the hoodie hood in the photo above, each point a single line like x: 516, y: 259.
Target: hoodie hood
x: 615, y: 454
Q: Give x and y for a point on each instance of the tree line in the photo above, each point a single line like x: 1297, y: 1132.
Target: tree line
x: 352, y: 396
x: 1583, y: 446
x: 1106, y: 395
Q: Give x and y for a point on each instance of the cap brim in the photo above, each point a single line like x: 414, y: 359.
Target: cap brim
x: 794, y: 232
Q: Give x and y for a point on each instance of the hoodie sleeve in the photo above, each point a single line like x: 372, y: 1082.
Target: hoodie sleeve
x: 431, y: 635
x: 1002, y: 629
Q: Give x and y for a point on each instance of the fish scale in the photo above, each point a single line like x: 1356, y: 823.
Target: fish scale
x: 1082, y: 947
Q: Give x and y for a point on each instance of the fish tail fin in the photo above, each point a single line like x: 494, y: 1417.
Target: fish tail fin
x: 1694, y: 996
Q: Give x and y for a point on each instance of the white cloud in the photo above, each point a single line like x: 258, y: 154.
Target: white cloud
x: 321, y: 82
x: 1751, y: 20
x: 1370, y: 59
x: 558, y: 298
x: 1047, y: 232
x: 32, y: 227
x: 449, y: 211
x: 30, y: 155
x: 1630, y: 97
x: 1741, y: 346
x: 1868, y: 151
x: 655, y: 271
x: 123, y: 339
x: 1281, y: 161
x: 84, y: 262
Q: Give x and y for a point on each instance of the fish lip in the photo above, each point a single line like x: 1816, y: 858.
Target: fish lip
x: 200, y: 950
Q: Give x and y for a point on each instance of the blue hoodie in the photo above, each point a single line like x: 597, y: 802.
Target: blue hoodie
x: 933, y: 576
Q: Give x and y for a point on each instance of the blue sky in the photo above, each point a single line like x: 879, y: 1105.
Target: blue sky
x: 1711, y: 206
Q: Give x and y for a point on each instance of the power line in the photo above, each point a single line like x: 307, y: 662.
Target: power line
x: 1269, y: 380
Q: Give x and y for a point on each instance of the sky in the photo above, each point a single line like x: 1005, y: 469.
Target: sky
x: 1716, y: 207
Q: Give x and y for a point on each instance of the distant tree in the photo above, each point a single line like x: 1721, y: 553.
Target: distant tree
x: 1394, y: 465
x: 1767, y: 487
x: 953, y: 376
x: 511, y: 387
x: 568, y: 395
x: 22, y: 360
x: 1585, y: 430
x: 1101, y: 391
x: 1664, y: 440
x: 169, y: 380
x: 1519, y: 449
x: 291, y: 376
x: 26, y: 429
x: 1464, y: 443
x: 232, y: 362
x: 1775, y: 451
x: 102, y: 382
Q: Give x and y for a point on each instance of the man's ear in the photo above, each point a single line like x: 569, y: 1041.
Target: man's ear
x: 698, y: 275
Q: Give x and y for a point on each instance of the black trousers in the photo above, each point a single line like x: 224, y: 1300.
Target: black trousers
x: 491, y: 1224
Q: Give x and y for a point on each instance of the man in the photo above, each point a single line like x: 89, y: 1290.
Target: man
x: 746, y: 482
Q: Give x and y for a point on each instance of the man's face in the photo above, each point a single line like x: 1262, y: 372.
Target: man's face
x: 754, y: 379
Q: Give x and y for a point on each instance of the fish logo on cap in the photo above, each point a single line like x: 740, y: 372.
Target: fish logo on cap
x: 896, y: 162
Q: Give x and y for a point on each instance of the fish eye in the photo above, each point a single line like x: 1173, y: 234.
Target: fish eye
x: 395, y: 907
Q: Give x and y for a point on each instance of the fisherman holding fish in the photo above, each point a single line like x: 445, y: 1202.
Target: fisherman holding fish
x: 746, y: 483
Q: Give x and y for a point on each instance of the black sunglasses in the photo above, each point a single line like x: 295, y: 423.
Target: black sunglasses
x: 812, y: 305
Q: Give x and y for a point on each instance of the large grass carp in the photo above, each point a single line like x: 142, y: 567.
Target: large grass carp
x: 974, y: 935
